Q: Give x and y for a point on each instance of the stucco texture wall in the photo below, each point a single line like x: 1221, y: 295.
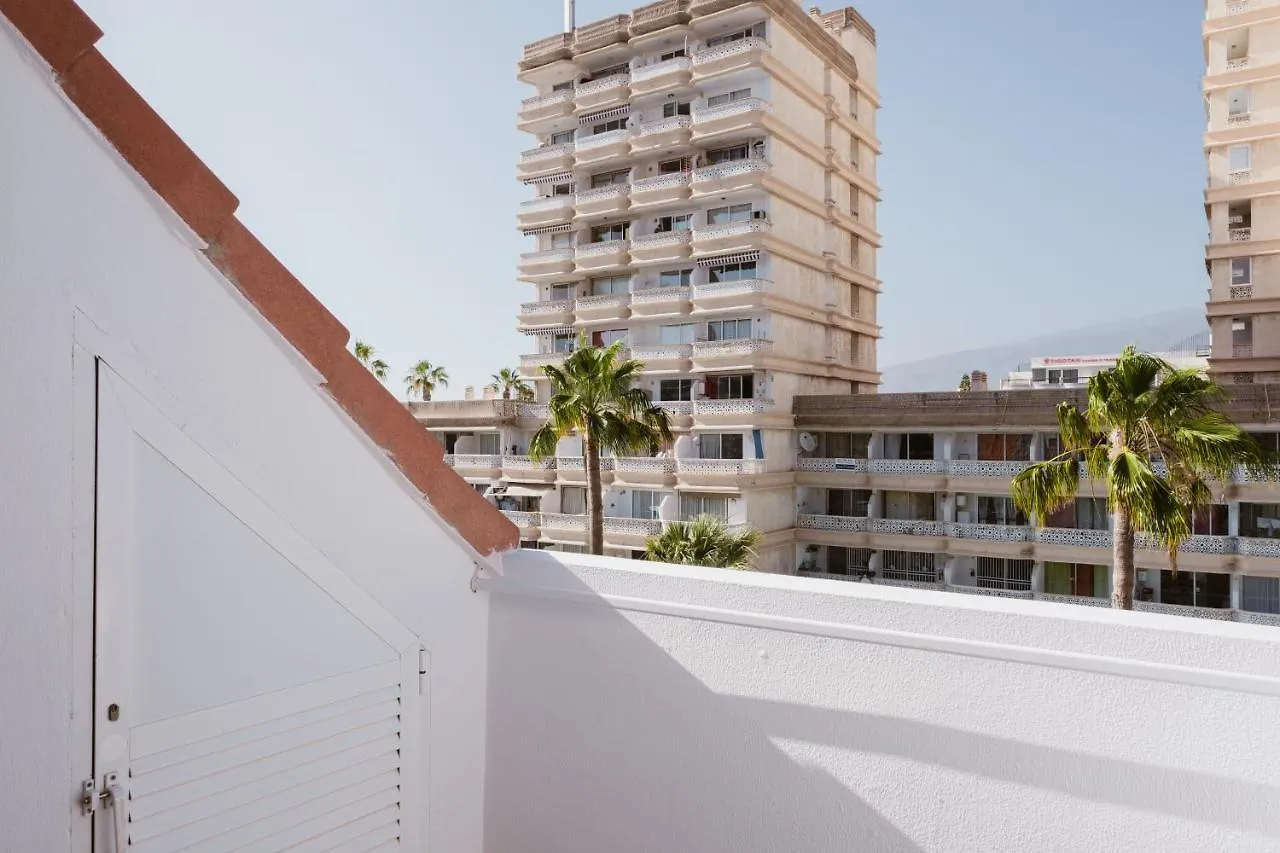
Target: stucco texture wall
x: 728, y: 711
x: 80, y: 234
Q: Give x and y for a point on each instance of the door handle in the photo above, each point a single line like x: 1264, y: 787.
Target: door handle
x: 113, y: 797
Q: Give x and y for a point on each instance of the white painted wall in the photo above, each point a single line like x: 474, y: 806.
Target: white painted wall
x: 726, y: 711
x: 78, y: 231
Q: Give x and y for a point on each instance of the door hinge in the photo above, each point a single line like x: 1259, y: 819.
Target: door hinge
x: 89, y: 796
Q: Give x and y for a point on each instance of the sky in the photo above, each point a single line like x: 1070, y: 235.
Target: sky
x: 1041, y: 166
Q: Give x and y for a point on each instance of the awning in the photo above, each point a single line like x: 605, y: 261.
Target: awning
x: 547, y: 229
x: 557, y: 178
x: 623, y: 110
x: 734, y: 258
x: 516, y: 490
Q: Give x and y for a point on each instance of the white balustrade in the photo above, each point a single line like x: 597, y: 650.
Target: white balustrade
x: 633, y: 526
x: 528, y: 463
x: 539, y: 411
x: 661, y: 240
x: 1241, y: 291
x: 1251, y: 547
x: 1240, y: 235
x: 560, y: 96
x: 547, y: 306
x: 1074, y: 538
x: 603, y: 301
x: 613, y: 81
x: 657, y: 69
x: 906, y: 527
x: 662, y: 352
x: 751, y: 406
x: 985, y: 468
x: 596, y: 194
x: 606, y: 247
x: 741, y: 346
x: 562, y: 521
x: 732, y: 48
x: 599, y: 139
x: 731, y: 288
x: 662, y: 125
x: 676, y: 407
x: 1240, y: 176
x: 731, y: 109
x: 540, y: 358
x: 474, y: 460
x: 579, y: 463
x: 546, y: 152
x: 849, y: 524
x: 644, y: 464
x: 661, y: 182
x: 906, y: 467
x: 990, y: 532
x: 733, y: 229
x: 719, y: 466
x: 660, y: 294
x: 731, y: 169
x: 546, y: 256
x: 523, y: 519
x: 851, y: 466
x: 551, y: 202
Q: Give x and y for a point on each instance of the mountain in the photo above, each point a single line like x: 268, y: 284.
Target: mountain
x: 1161, y: 332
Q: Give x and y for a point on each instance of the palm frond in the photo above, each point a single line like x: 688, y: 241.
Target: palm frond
x: 1043, y: 488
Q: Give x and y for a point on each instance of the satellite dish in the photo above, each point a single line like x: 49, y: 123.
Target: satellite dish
x: 808, y: 442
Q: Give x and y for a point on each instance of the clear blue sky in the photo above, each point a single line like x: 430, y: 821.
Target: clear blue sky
x: 1042, y: 161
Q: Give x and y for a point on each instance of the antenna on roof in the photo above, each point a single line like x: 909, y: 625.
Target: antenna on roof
x: 568, y: 16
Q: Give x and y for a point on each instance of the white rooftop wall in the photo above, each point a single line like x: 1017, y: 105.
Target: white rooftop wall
x: 641, y: 708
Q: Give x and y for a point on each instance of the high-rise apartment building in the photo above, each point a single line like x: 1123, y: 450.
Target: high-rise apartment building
x: 703, y: 189
x: 1242, y: 201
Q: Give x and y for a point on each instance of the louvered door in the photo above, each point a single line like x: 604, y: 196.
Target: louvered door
x: 248, y: 696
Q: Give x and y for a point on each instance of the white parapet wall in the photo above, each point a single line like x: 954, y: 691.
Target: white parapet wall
x: 639, y: 707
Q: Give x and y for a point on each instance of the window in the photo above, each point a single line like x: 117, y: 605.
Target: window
x: 853, y: 152
x: 1195, y: 589
x: 911, y: 445
x: 731, y: 213
x: 608, y: 285
x: 562, y: 137
x: 564, y: 343
x: 729, y: 97
x: 610, y: 125
x: 573, y: 500
x: 736, y: 387
x: 997, y: 510
x: 732, y: 272
x: 848, y: 561
x: 843, y: 445
x: 563, y: 240
x: 670, y: 390
x: 855, y: 251
x: 675, y: 108
x: 1242, y: 270
x: 855, y: 201
x: 487, y: 443
x: 1210, y: 520
x: 909, y: 506
x: 1269, y: 440
x: 848, y: 502
x: 610, y: 233
x: 728, y: 330
x: 672, y: 55
x: 675, y: 278
x: 562, y: 190
x: 667, y: 224
x: 621, y: 68
x: 1080, y: 579
x: 1239, y: 158
x: 605, y: 179
x: 999, y: 573
x: 998, y: 447
x: 567, y: 85
x: 682, y: 333
x: 669, y: 167
x: 720, y: 445
x: 756, y: 30
x: 644, y: 504
x: 853, y: 101
x: 693, y: 505
x: 1261, y: 595
x: 562, y: 291
x: 726, y: 155
x: 608, y: 337
x: 1091, y: 514
x: 1242, y: 337
x: 1238, y: 101
x: 1260, y: 521
x: 909, y: 566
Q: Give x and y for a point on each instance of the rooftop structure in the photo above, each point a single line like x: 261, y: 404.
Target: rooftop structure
x: 1074, y: 371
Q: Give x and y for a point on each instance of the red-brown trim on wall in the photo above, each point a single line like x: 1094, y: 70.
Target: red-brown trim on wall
x: 65, y: 36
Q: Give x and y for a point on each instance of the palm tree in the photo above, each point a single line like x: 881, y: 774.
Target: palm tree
x: 365, y: 355
x: 423, y: 379
x: 705, y: 541
x: 1140, y: 412
x: 508, y: 380
x: 591, y: 395
x: 966, y: 383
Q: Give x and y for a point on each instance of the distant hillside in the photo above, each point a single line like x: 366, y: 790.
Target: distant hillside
x: 1158, y: 332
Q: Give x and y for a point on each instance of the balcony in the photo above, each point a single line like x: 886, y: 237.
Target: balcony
x: 611, y: 306
x: 602, y: 33
x: 601, y: 256
x: 703, y: 409
x: 540, y: 212
x: 746, y: 353
x: 531, y: 365
x: 551, y: 312
x: 528, y: 522
x: 661, y: 190
x: 742, y: 117
x: 985, y: 469
x: 664, y: 358
x: 717, y: 472
x: 745, y: 293
x: 1239, y: 119
x: 602, y: 201
x: 662, y: 248
x: 559, y: 526
x: 547, y: 50
x: 536, y: 412
x: 541, y: 109
x: 844, y: 523
x: 1240, y: 235
x: 1241, y: 291
x: 724, y: 58
x: 546, y: 160
x: 679, y: 412
x: 991, y: 532
x: 658, y: 16
x: 1238, y: 64
x: 730, y: 176
x: 906, y: 527
x: 1239, y: 176
x: 665, y: 134
x: 602, y: 94
x: 1242, y: 351
x: 659, y: 77
x: 630, y: 531
x: 573, y: 469
x: 907, y: 467
x: 745, y: 236
x: 529, y: 470
x: 832, y: 466
x: 600, y: 147
x: 660, y: 301
x: 644, y: 470
x: 546, y: 264
x: 1073, y: 538
x: 1251, y: 547
x: 475, y: 464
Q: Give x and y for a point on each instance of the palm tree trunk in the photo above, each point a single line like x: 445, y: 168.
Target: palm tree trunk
x: 1122, y: 560
x: 595, y: 500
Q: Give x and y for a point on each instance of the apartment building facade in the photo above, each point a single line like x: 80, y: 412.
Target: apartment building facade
x: 1242, y: 199
x: 704, y: 190
x: 915, y: 489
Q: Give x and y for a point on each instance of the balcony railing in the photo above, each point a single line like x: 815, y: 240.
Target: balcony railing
x: 753, y: 406
x: 1241, y: 291
x: 906, y: 527
x: 1240, y: 235
x: 990, y: 532
x: 663, y: 125
x: 985, y: 468
x: 662, y: 352
x: 546, y: 152
x: 541, y: 358
x: 661, y: 240
x: 1242, y: 351
x: 657, y: 15
x: 731, y: 108
x: 676, y: 407
x: 1074, y: 538
x: 1237, y: 119
x: 657, y: 69
x: 824, y: 466
x: 597, y: 140
x: 528, y: 463
x: 1240, y: 176
x: 670, y: 180
x: 1237, y: 64
x: 548, y: 47
x: 731, y: 169
x: 473, y: 460
x: 546, y: 256
x: 731, y: 288
x: 536, y: 411
x: 596, y: 194
x: 579, y: 463
x: 742, y: 346
x: 1235, y: 7
x: 651, y: 295
x: 906, y: 467
x: 603, y: 302
x: 562, y: 521
x: 644, y: 464
x: 719, y: 466
x: 551, y: 202
x: 724, y: 51
x: 733, y: 229
x: 550, y: 99
x: 548, y: 306
x: 849, y: 524
x: 1251, y: 547
x: 604, y: 83
x: 523, y: 519
x: 633, y: 526
x: 602, y: 32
